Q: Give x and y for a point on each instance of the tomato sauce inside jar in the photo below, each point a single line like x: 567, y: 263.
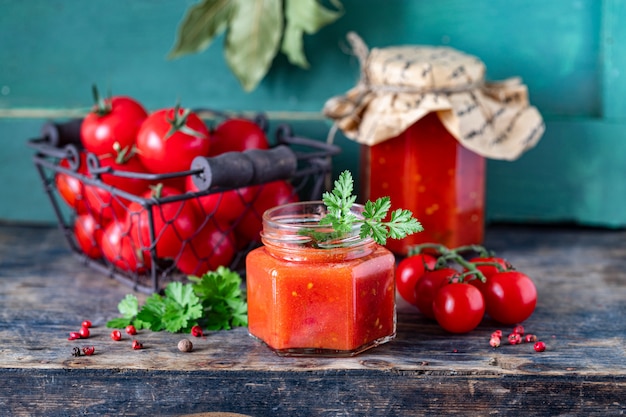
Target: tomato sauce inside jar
x: 426, y: 170
x: 303, y: 300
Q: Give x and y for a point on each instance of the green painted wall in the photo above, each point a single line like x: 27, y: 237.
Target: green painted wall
x: 570, y: 53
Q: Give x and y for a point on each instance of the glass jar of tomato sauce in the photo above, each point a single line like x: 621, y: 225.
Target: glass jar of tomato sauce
x: 312, y: 297
x: 426, y: 118
x: 426, y: 170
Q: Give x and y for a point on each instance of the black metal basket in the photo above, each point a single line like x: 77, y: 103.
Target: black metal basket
x: 303, y: 163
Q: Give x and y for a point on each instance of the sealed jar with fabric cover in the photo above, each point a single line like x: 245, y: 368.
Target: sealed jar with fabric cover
x: 427, y: 119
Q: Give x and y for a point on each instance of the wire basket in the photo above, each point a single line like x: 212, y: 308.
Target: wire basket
x: 129, y: 237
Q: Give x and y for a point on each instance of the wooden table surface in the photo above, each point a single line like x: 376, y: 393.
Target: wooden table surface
x: 45, y: 293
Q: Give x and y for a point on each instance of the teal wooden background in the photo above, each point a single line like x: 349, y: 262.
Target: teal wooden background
x: 570, y: 53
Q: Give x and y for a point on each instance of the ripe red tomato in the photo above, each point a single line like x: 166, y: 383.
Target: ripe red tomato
x: 111, y: 206
x: 70, y: 188
x: 428, y: 286
x: 268, y: 195
x: 173, y: 223
x: 169, y: 139
x: 88, y: 234
x: 224, y: 206
x: 103, y: 205
x: 409, y: 271
x: 458, y: 307
x: 120, y: 250
x: 237, y: 135
x: 116, y: 119
x: 127, y: 162
x: 213, y: 246
x: 487, y: 270
x: 510, y: 297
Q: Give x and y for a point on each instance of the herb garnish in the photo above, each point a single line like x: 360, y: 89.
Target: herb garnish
x: 215, y: 301
x: 340, y: 200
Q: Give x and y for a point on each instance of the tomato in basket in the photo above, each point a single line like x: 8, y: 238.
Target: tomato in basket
x: 212, y: 246
x: 173, y: 222
x: 225, y: 206
x: 268, y: 195
x: 70, y: 188
x: 119, y: 249
x: 169, y: 140
x: 237, y: 135
x: 112, y: 120
x: 88, y: 234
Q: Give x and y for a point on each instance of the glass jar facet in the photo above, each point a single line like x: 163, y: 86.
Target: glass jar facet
x: 333, y: 299
x: 426, y: 170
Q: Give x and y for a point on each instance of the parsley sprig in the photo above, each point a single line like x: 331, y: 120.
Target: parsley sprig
x: 215, y: 301
x: 339, y: 202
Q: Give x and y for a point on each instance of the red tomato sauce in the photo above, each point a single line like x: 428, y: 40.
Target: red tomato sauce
x: 426, y: 170
x: 335, y: 301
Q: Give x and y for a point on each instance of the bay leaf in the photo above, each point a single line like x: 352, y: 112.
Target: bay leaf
x: 253, y: 39
x: 292, y: 45
x: 201, y: 24
x: 305, y: 16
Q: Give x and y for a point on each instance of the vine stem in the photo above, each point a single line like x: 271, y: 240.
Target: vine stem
x: 447, y: 255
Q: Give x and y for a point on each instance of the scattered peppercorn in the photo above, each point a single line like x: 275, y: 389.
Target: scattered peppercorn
x: 76, y: 351
x: 494, y: 341
x: 497, y: 333
x: 74, y: 336
x: 515, y: 339
x: 137, y: 345
x: 185, y: 345
x: 196, y: 331
x: 89, y: 350
x: 131, y: 330
x: 539, y: 346
x: 86, y: 323
x: 519, y: 329
x: 530, y: 338
x: 84, y: 332
x: 116, y: 335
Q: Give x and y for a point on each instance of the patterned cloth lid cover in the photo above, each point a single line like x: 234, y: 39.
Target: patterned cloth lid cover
x: 400, y: 85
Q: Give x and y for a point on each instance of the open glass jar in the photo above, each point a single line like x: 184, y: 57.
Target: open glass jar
x: 308, y: 297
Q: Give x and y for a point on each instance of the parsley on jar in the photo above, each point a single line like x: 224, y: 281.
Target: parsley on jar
x: 323, y: 283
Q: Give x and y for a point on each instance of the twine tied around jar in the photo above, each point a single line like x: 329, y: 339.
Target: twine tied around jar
x: 400, y: 85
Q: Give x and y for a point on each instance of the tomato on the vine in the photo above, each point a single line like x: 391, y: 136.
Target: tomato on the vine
x: 169, y: 140
x: 458, y: 307
x: 212, y: 246
x: 237, y: 135
x: 427, y: 287
x: 409, y: 271
x: 488, y: 270
x: 510, y: 297
x: 114, y: 119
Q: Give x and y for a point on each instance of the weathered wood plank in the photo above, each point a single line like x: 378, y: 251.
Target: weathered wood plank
x: 580, y: 275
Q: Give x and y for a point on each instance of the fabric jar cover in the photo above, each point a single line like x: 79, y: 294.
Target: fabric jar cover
x: 400, y: 85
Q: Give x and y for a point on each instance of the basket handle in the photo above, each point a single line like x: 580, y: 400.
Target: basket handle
x: 239, y: 169
x: 61, y: 134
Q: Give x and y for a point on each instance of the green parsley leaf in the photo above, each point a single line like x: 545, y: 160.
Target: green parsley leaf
x: 215, y: 300
x: 339, y: 202
x: 128, y: 308
x: 222, y: 299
